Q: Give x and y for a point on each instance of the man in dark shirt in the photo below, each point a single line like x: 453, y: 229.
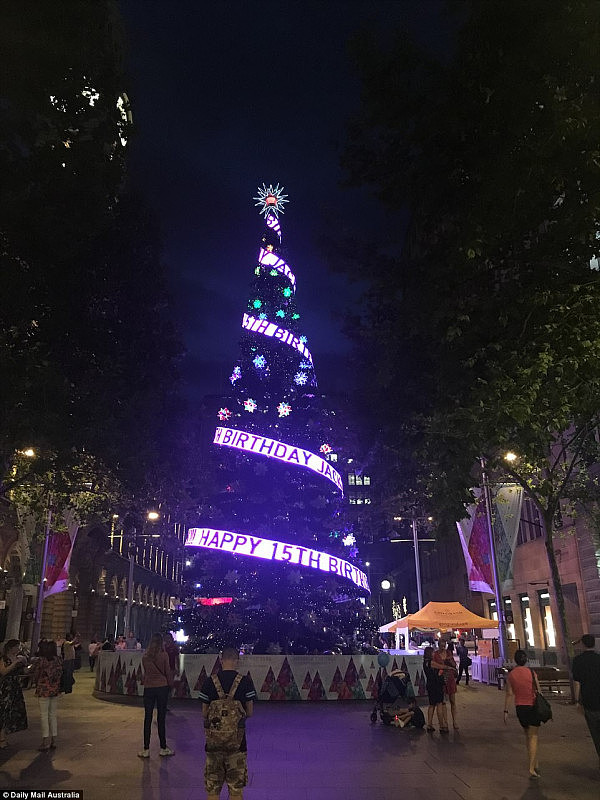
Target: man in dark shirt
x: 586, y: 674
x: 230, y: 768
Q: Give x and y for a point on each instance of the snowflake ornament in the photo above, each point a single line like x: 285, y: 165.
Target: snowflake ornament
x: 235, y: 375
x: 257, y: 271
x: 260, y: 362
x: 257, y: 303
x: 273, y: 273
x: 287, y: 292
x: 304, y: 365
x: 224, y: 414
x: 349, y: 540
x: 303, y: 339
x: 271, y: 200
x: 300, y: 378
x: 325, y: 448
x: 284, y: 409
x: 262, y: 315
x: 295, y: 316
x: 250, y: 405
x: 280, y: 313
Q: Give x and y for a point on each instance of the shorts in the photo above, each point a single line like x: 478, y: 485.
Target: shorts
x: 230, y: 768
x: 528, y: 717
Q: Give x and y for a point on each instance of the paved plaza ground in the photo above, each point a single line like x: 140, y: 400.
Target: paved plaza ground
x: 305, y: 751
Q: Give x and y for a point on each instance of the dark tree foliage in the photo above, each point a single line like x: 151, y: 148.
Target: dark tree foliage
x: 87, y: 348
x: 495, y: 155
x: 489, y: 324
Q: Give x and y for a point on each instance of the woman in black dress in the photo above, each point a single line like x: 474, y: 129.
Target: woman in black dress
x: 435, y: 691
x: 13, y: 714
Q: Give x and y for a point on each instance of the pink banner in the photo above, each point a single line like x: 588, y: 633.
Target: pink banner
x: 475, y: 541
x: 60, y: 548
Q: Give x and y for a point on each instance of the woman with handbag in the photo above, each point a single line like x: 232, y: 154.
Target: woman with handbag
x: 435, y: 692
x: 522, y: 686
x: 49, y: 670
x: 158, y: 680
x: 13, y: 715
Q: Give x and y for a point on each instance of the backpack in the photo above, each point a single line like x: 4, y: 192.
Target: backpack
x: 225, y: 722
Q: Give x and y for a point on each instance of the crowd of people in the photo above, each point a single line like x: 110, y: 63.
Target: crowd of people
x: 51, y: 672
x: 227, y: 698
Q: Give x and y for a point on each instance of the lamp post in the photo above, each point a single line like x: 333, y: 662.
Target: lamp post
x: 151, y: 516
x: 496, y: 578
x: 417, y: 563
x: 132, y: 551
x: 415, y: 541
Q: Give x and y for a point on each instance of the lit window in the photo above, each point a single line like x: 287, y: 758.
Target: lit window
x: 367, y: 500
x: 366, y: 480
x: 353, y: 501
x: 351, y: 479
x: 333, y: 457
x: 546, y: 613
x: 359, y: 480
x: 527, y: 621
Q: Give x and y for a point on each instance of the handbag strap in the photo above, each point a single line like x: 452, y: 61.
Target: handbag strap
x: 533, y: 683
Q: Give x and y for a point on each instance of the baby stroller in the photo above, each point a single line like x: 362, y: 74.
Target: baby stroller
x: 392, y: 696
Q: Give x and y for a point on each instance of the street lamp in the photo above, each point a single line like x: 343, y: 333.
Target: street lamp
x: 151, y: 516
x: 386, y: 586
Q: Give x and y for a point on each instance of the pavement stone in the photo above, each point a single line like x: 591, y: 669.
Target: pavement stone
x: 304, y: 751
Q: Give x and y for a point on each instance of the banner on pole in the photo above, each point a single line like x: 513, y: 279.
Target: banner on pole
x: 60, y: 549
x: 473, y: 533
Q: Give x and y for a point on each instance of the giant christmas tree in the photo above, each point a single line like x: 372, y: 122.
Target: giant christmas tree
x: 274, y: 563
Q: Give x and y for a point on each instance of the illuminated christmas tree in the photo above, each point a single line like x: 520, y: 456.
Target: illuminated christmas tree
x: 272, y: 542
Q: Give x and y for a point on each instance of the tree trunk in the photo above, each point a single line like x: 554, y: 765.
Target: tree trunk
x: 566, y: 646
x: 15, y: 611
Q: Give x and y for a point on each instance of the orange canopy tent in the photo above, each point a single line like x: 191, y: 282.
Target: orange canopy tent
x: 440, y: 617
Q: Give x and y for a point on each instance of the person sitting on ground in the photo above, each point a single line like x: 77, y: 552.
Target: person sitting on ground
x: 410, y: 717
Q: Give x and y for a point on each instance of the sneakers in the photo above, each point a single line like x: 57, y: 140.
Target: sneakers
x: 164, y: 751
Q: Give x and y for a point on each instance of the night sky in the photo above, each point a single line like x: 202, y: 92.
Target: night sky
x: 226, y: 96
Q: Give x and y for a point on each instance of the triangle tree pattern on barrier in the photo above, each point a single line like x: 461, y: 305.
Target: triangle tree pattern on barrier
x: 181, y: 688
x: 201, y: 678
x: 287, y: 682
x: 317, y: 690
x: 123, y: 674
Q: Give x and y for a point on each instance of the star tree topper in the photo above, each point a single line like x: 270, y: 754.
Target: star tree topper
x: 271, y: 200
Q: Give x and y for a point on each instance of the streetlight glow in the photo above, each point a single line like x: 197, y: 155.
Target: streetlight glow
x: 386, y: 585
x: 153, y: 516
x: 510, y: 456
x: 29, y: 452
